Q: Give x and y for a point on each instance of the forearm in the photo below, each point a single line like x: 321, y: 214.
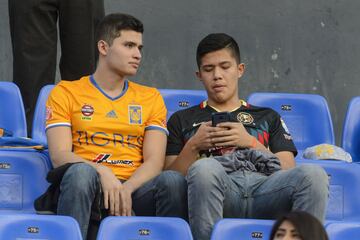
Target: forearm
x: 62, y: 157
x: 144, y: 173
x: 185, y: 159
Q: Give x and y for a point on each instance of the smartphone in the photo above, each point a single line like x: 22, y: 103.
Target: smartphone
x: 219, y: 117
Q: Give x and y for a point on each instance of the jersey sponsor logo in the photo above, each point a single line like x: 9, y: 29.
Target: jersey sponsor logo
x: 197, y: 124
x: 135, y: 116
x: 111, y: 114
x: 245, y: 118
x: 104, y: 158
x: 87, y: 111
x: 104, y: 139
x: 48, y: 113
x: 284, y: 126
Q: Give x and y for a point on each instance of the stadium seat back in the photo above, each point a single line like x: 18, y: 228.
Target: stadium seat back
x: 38, y: 128
x: 245, y: 229
x: 344, y: 195
x: 23, y: 179
x: 343, y: 230
x: 351, y: 129
x: 12, y: 113
x: 38, y: 227
x: 307, y: 116
x: 177, y: 99
x: 144, y: 228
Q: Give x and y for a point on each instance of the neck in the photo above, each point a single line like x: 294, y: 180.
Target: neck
x: 111, y: 83
x: 227, y: 106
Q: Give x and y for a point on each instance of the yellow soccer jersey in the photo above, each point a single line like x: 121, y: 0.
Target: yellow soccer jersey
x: 107, y: 130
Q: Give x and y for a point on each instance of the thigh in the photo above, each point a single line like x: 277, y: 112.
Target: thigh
x: 274, y: 195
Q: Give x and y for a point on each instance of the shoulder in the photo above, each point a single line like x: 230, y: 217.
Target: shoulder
x: 142, y: 89
x: 71, y: 86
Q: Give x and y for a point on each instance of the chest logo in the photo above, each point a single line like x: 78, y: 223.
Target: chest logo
x: 135, y: 114
x: 87, y: 111
x: 245, y: 118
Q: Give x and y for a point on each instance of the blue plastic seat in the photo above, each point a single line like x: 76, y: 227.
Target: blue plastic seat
x: 344, y: 194
x: 307, y: 116
x: 177, y: 99
x: 245, y: 229
x: 32, y: 226
x: 351, y: 130
x: 343, y: 230
x: 12, y: 113
x: 39, y: 121
x: 144, y: 228
x: 23, y: 179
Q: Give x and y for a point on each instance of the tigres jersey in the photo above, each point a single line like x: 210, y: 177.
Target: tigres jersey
x: 107, y: 130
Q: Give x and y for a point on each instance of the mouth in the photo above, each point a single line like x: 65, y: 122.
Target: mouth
x: 134, y: 65
x: 218, y: 88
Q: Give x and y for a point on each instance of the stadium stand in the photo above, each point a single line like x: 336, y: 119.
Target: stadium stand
x: 344, y: 194
x: 32, y: 226
x: 12, y: 113
x: 306, y: 115
x: 23, y: 179
x: 177, y: 99
x: 343, y: 230
x: 351, y: 129
x: 144, y: 228
x: 245, y: 229
x: 38, y: 128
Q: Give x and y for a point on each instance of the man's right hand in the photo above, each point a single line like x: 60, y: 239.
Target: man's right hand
x: 202, y: 138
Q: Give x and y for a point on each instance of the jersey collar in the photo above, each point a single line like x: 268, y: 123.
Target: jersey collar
x: 243, y: 103
x: 126, y: 85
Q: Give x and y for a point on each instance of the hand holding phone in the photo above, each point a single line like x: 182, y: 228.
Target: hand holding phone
x: 219, y: 117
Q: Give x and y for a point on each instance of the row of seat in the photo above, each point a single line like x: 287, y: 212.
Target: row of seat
x: 306, y: 115
x: 31, y: 226
x: 23, y: 171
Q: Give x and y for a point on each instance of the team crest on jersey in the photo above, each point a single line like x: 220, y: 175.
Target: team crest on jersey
x: 245, y: 118
x: 48, y: 113
x: 86, y: 112
x: 135, y: 115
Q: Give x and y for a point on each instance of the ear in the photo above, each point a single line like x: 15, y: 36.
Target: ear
x: 102, y: 47
x: 241, y: 69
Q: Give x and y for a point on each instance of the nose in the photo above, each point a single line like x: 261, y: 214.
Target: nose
x: 217, y: 73
x: 137, y: 54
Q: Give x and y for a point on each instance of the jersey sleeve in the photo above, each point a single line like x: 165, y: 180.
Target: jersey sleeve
x: 280, y: 137
x: 157, y: 119
x: 58, y: 108
x: 175, y: 141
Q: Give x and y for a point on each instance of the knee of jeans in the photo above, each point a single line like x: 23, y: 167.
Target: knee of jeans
x: 80, y: 176
x: 315, y: 174
x: 171, y: 180
x: 205, y: 169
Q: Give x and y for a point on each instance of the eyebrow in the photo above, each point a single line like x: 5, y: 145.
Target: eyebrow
x: 221, y: 63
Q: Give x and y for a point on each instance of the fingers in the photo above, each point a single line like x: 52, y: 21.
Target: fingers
x: 106, y: 199
x: 117, y: 204
x: 126, y: 203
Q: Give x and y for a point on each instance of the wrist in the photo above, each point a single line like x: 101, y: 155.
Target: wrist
x: 253, y: 142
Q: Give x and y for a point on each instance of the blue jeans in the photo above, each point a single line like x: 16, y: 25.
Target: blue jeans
x: 214, y: 194
x: 161, y: 196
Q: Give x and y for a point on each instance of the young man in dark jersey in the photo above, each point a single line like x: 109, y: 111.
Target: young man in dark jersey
x: 242, y: 168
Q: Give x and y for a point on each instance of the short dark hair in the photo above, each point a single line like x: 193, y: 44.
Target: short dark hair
x: 111, y: 26
x: 214, y: 42
x: 307, y: 225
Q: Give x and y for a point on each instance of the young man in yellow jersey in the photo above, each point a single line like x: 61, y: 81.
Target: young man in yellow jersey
x: 115, y: 132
